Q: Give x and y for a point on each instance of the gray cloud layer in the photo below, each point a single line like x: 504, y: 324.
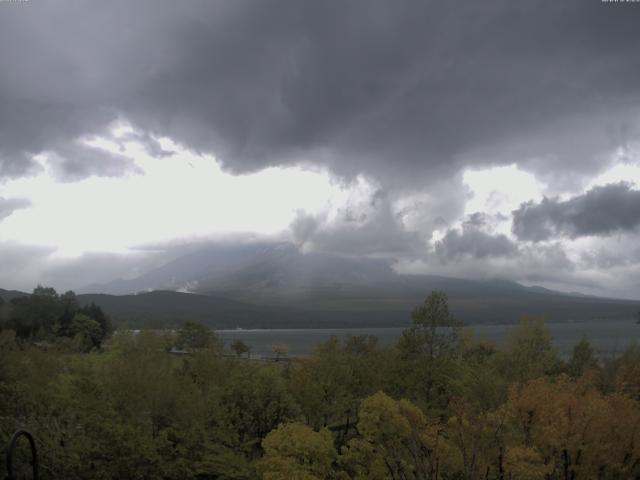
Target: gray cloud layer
x: 376, y: 232
x: 75, y: 161
x: 409, y: 93
x: 10, y: 205
x: 474, y: 243
x: 600, y: 211
x: 400, y: 90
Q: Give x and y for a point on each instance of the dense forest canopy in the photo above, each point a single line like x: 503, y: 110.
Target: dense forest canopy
x: 47, y: 316
x: 439, y: 404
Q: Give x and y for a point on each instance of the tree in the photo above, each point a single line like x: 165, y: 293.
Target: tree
x: 622, y: 374
x: 86, y: 332
x: 255, y: 398
x: 36, y: 315
x: 434, y: 331
x: 4, y: 313
x: 195, y: 335
x: 41, y: 291
x: 45, y: 315
x: 526, y: 463
x: 528, y: 352
x: 476, y: 435
x: 396, y: 441
x: 295, y: 451
x: 572, y: 431
x: 7, y: 372
x: 361, y: 344
x: 330, y: 385
x: 582, y: 359
x: 426, y: 354
x: 69, y: 299
x: 239, y: 347
x: 94, y: 311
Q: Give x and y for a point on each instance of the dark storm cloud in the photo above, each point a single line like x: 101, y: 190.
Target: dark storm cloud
x: 474, y: 243
x: 10, y: 205
x: 399, y: 90
x: 382, y: 237
x: 76, y: 161
x: 600, y: 211
x: 477, y: 219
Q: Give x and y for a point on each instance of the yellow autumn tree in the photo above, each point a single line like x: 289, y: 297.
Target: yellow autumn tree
x: 476, y: 435
x: 396, y: 441
x: 575, y: 430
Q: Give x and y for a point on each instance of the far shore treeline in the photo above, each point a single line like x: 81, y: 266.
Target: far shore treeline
x: 46, y: 316
x: 437, y: 404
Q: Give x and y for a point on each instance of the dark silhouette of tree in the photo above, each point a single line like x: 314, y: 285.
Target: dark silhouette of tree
x: 240, y: 348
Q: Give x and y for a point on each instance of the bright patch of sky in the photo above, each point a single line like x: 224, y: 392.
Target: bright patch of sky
x: 496, y: 192
x: 500, y: 190
x: 181, y: 196
x: 622, y: 172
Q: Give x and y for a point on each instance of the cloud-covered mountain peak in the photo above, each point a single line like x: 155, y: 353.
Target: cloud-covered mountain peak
x: 280, y: 265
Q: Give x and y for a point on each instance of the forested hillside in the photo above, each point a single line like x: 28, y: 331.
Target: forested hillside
x: 46, y: 316
x: 439, y: 404
x: 275, y: 285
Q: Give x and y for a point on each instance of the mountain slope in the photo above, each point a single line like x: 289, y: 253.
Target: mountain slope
x: 275, y: 285
x: 213, y: 263
x: 162, y: 309
x: 248, y: 267
x: 9, y: 294
x: 167, y: 309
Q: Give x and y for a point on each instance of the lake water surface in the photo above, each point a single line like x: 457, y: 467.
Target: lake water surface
x: 607, y: 338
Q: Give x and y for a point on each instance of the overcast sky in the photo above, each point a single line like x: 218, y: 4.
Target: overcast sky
x: 472, y: 139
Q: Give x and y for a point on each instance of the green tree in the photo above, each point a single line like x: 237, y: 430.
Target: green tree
x: 434, y: 331
x: 622, y: 374
x: 36, y: 315
x: 330, y: 385
x: 86, y: 332
x: 4, y: 313
x: 195, y: 335
x: 295, y: 451
x: 582, y: 359
x: 45, y: 292
x: 528, y: 352
x: 427, y: 354
x: 240, y: 348
x: 94, y: 311
x: 45, y: 315
x: 254, y: 398
x: 396, y: 441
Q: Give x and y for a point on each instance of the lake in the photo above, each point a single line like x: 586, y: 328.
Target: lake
x: 607, y: 337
